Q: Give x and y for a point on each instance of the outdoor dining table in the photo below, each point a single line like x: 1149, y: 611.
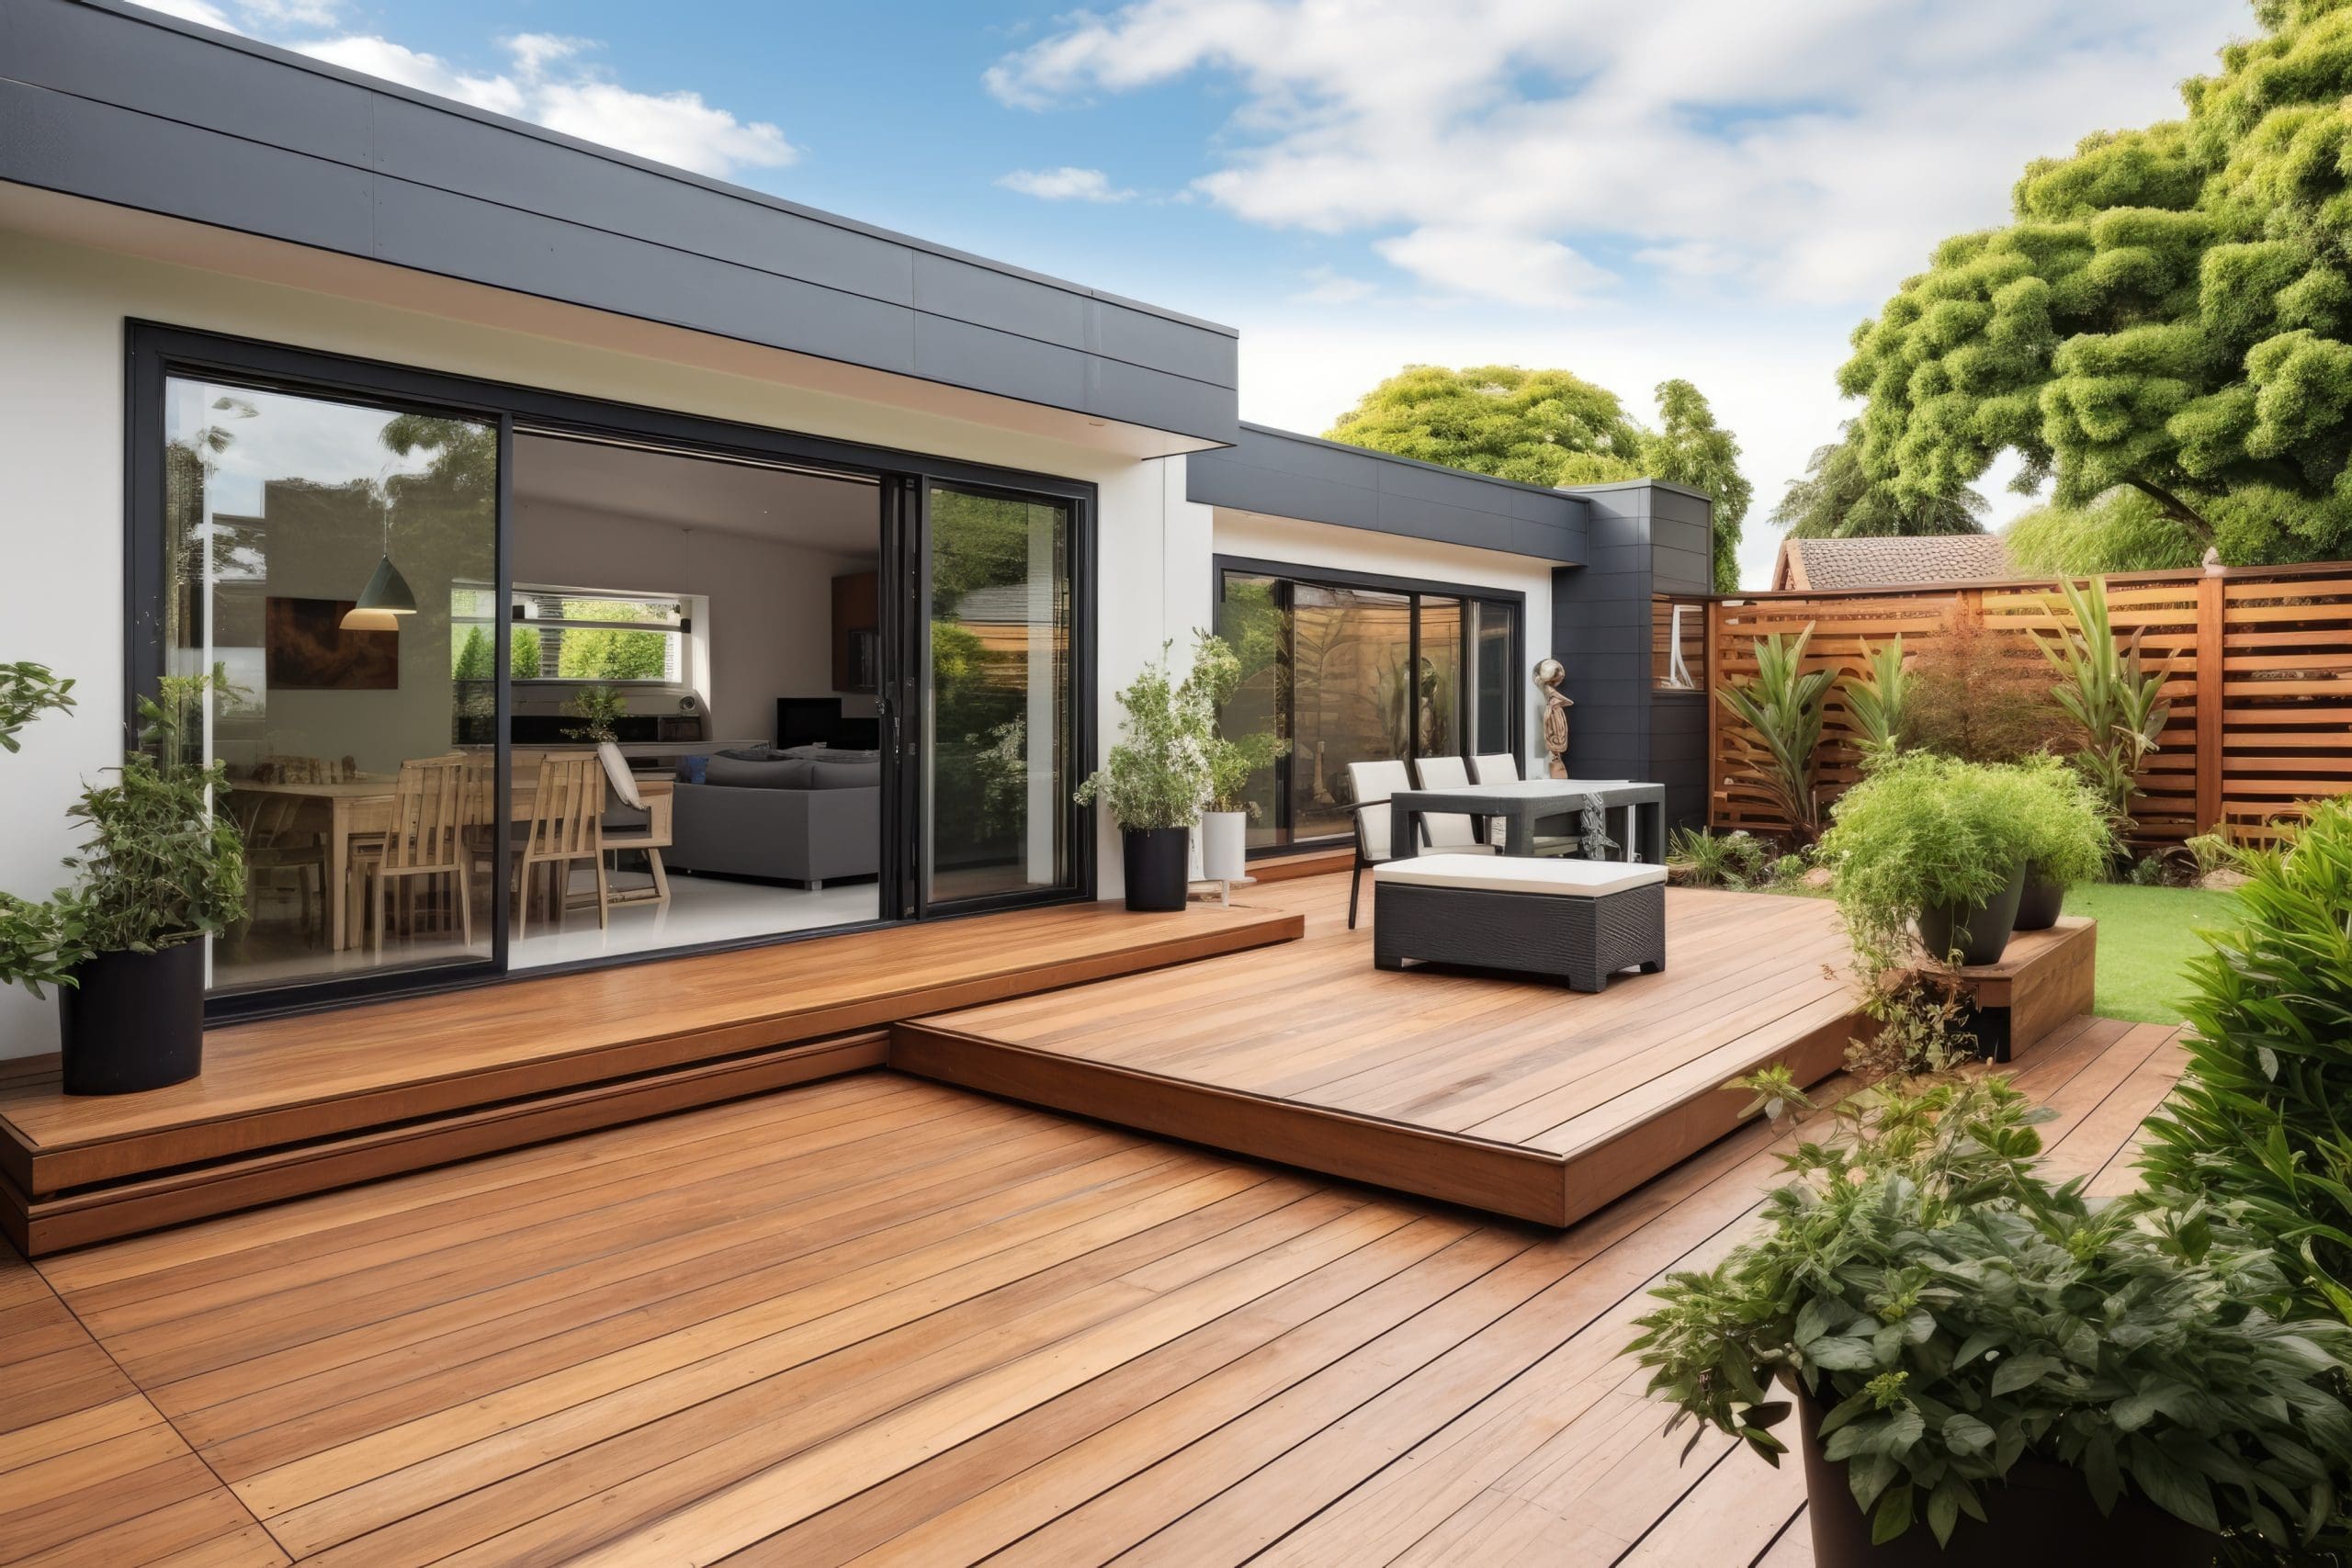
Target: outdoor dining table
x: 1520, y: 803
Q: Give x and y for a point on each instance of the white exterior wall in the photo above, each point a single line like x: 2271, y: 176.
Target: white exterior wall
x: 62, y: 340
x: 1255, y: 536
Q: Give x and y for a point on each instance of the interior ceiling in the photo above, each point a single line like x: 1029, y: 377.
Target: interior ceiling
x: 842, y: 516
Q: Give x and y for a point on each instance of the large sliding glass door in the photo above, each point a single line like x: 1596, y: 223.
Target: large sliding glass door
x: 314, y: 551
x: 1359, y: 669
x: 999, y: 731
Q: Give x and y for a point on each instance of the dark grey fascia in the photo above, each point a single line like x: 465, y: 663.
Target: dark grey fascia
x: 106, y: 101
x: 1282, y: 474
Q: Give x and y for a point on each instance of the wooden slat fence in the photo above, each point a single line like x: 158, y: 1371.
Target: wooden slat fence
x: 2260, y: 682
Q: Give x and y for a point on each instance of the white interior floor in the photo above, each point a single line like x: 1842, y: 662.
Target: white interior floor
x: 701, y: 909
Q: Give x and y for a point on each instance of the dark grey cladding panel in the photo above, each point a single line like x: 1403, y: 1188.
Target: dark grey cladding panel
x: 1282, y: 474
x: 49, y: 139
x: 1681, y: 571
x: 108, y: 101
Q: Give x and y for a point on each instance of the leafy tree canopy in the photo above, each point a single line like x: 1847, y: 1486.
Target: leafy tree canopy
x: 1839, y: 500
x: 1550, y: 427
x: 2169, y: 312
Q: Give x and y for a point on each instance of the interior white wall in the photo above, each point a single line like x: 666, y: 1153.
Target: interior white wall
x: 768, y: 627
x: 63, y: 311
x: 1256, y: 537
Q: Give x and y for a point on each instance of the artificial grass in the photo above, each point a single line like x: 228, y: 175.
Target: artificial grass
x: 2146, y: 936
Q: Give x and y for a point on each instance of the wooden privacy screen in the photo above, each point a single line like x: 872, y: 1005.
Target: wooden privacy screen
x: 2260, y: 683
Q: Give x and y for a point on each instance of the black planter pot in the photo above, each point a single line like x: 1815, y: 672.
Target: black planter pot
x: 1157, y: 859
x: 2037, y: 907
x: 2040, y: 1513
x: 1979, y: 931
x: 134, y: 1021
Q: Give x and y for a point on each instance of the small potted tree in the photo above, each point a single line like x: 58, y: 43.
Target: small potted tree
x: 1231, y: 761
x: 1987, y: 1369
x: 1929, y: 839
x: 1154, y: 782
x: 160, y: 871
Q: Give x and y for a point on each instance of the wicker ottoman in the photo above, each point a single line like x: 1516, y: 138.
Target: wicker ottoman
x: 1578, y: 920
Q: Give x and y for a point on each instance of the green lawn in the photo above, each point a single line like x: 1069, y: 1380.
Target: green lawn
x: 2147, y: 935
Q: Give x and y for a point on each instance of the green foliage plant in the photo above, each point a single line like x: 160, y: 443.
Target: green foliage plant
x: 28, y: 690
x: 1783, y: 705
x: 2069, y: 837
x: 1702, y: 859
x: 1230, y: 760
x: 2259, y: 1117
x: 1983, y: 695
x: 598, y: 709
x: 1921, y: 830
x: 159, y: 867
x: 1157, y: 774
x: 1951, y: 1313
x: 39, y: 941
x: 2111, y: 695
x: 1837, y: 499
x: 1877, y: 701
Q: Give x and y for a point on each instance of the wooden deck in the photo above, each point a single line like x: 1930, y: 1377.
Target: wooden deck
x: 879, y: 1320
x: 307, y: 1103
x: 1518, y: 1096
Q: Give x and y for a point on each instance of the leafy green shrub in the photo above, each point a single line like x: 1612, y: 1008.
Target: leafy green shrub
x: 1702, y: 859
x: 1879, y: 702
x: 39, y: 942
x: 1953, y: 1312
x: 28, y: 690
x: 1783, y: 704
x: 2259, y: 1119
x: 2111, y: 694
x: 1788, y: 868
x: 2150, y: 871
x: 1920, y: 830
x: 1158, y: 774
x: 161, y: 867
x: 2069, y: 838
x: 599, y: 710
x: 1982, y: 695
x: 2210, y: 851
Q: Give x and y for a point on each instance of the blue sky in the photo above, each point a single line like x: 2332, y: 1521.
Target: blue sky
x: 1717, y: 189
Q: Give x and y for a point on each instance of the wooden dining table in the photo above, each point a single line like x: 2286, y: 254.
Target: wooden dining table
x: 348, y: 812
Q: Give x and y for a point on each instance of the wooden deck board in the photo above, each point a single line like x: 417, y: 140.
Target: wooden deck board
x: 1516, y: 1096
x: 307, y: 1103
x: 881, y: 1320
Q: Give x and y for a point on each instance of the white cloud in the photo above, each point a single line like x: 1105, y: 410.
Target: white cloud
x: 1329, y: 285
x: 549, y: 79
x: 1065, y: 184
x: 1812, y: 153
x: 1497, y: 263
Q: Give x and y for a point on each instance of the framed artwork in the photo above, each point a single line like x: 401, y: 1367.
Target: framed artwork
x: 307, y: 649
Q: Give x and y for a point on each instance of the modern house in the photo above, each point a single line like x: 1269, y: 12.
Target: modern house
x: 429, y: 430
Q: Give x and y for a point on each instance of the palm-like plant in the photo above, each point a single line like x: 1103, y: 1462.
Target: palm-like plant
x: 1876, y: 701
x: 1783, y: 705
x: 2111, y: 691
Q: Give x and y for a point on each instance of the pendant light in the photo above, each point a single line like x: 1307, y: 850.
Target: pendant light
x: 387, y: 596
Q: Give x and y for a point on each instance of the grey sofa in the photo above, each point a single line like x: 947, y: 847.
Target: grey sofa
x: 788, y: 817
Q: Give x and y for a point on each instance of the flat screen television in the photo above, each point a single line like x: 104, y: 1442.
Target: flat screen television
x: 808, y: 721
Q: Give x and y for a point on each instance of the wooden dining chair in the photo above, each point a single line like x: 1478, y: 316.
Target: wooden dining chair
x: 276, y: 846
x: 425, y: 838
x: 632, y: 828
x: 565, y: 825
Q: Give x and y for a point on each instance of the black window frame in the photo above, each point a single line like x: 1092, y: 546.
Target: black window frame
x: 157, y: 350
x: 1415, y: 589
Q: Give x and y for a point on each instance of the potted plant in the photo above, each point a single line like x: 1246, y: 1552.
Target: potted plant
x: 2070, y: 840
x: 1988, y: 1368
x: 159, y: 870
x: 1154, y: 782
x: 599, y: 710
x: 39, y: 942
x: 1231, y: 762
x: 1936, y: 841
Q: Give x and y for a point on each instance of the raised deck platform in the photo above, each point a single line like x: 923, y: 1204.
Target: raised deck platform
x: 1515, y: 1097
x: 304, y: 1104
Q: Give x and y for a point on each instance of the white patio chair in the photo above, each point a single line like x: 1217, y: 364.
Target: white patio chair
x: 1372, y: 783
x: 1451, y: 832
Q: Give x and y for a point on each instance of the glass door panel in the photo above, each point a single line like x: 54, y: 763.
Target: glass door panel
x: 1438, y: 731
x: 1352, y: 653
x: 1253, y: 617
x: 998, y: 736
x: 1493, y: 680
x: 316, y: 552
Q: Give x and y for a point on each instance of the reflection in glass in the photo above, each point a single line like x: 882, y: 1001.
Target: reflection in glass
x: 998, y: 737
x: 340, y: 741
x: 1353, y: 674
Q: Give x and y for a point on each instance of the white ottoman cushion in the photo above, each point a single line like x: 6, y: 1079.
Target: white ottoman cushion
x: 1520, y: 874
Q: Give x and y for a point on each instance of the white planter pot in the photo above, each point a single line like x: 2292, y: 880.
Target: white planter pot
x: 1224, y: 845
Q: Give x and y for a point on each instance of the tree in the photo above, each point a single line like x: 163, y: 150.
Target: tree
x: 1839, y: 500
x: 2166, y: 313
x: 1550, y: 427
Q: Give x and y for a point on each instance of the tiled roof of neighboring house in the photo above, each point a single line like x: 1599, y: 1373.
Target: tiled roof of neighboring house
x: 1888, y: 563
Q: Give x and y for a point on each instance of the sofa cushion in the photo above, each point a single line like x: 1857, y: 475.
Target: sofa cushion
x: 736, y: 772
x: 830, y: 754
x: 1504, y: 874
x: 751, y: 753
x: 842, y: 774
